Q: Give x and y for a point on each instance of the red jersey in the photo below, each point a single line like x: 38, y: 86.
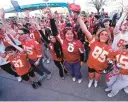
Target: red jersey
x: 122, y: 59
x: 33, y: 48
x: 35, y: 35
x: 98, y: 54
x: 71, y: 50
x: 21, y: 64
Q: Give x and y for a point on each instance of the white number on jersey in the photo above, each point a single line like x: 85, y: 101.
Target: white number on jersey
x: 32, y: 36
x: 18, y: 63
x: 70, y: 47
x: 122, y: 61
x: 100, y: 54
x: 28, y: 49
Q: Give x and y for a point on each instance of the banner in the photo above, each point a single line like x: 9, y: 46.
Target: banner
x: 16, y: 5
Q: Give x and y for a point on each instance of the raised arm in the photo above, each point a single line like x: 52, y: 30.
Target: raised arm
x: 52, y: 23
x: 41, y: 32
x: 120, y: 21
x: 17, y: 47
x: 53, y: 27
x: 84, y: 29
x: 5, y: 24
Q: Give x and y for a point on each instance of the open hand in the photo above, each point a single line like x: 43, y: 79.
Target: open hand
x: 2, y: 13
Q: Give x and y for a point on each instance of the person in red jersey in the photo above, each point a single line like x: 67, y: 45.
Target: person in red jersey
x: 34, y: 51
x: 120, y: 57
x: 99, y: 50
x: 34, y: 34
x: 4, y: 64
x: 71, y: 47
x: 55, y: 51
x: 18, y: 59
x: 121, y: 31
x: 106, y: 24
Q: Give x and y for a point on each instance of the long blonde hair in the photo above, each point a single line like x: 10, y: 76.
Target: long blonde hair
x: 100, y: 31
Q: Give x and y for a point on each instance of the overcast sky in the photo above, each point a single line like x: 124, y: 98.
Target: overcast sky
x: 110, y: 5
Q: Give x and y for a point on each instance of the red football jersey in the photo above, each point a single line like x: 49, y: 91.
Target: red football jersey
x: 98, y: 54
x: 21, y: 64
x: 36, y: 36
x: 121, y: 59
x: 33, y: 48
x: 71, y: 50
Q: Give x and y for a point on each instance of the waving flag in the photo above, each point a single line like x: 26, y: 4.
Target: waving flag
x: 16, y: 5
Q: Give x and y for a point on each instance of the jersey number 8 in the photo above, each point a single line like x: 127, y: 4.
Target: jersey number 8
x: 70, y: 47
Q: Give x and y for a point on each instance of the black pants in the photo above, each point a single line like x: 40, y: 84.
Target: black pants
x: 7, y: 68
x: 26, y: 76
x: 59, y: 65
x: 92, y: 70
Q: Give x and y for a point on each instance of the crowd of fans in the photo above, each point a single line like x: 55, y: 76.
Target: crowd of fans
x: 25, y: 44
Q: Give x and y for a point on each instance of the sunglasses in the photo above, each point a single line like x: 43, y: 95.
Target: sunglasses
x: 104, y: 34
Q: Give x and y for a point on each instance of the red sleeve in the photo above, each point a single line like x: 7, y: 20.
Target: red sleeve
x: 112, y: 54
x: 80, y: 44
x: 38, y: 48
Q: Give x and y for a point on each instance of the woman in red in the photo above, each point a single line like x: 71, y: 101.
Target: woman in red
x: 55, y: 51
x: 71, y: 47
x: 99, y: 51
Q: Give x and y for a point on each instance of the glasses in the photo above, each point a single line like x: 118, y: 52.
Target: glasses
x: 104, y: 34
x: 9, y: 52
x: 68, y: 28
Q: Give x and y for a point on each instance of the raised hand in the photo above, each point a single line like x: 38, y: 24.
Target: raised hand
x: 49, y: 12
x: 2, y: 13
x: 126, y: 9
x: 9, y: 41
x: 27, y: 14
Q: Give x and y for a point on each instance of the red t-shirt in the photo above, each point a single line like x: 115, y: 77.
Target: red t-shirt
x: 33, y: 48
x: 71, y: 50
x: 98, y: 54
x: 35, y: 35
x: 122, y: 59
x: 21, y: 64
